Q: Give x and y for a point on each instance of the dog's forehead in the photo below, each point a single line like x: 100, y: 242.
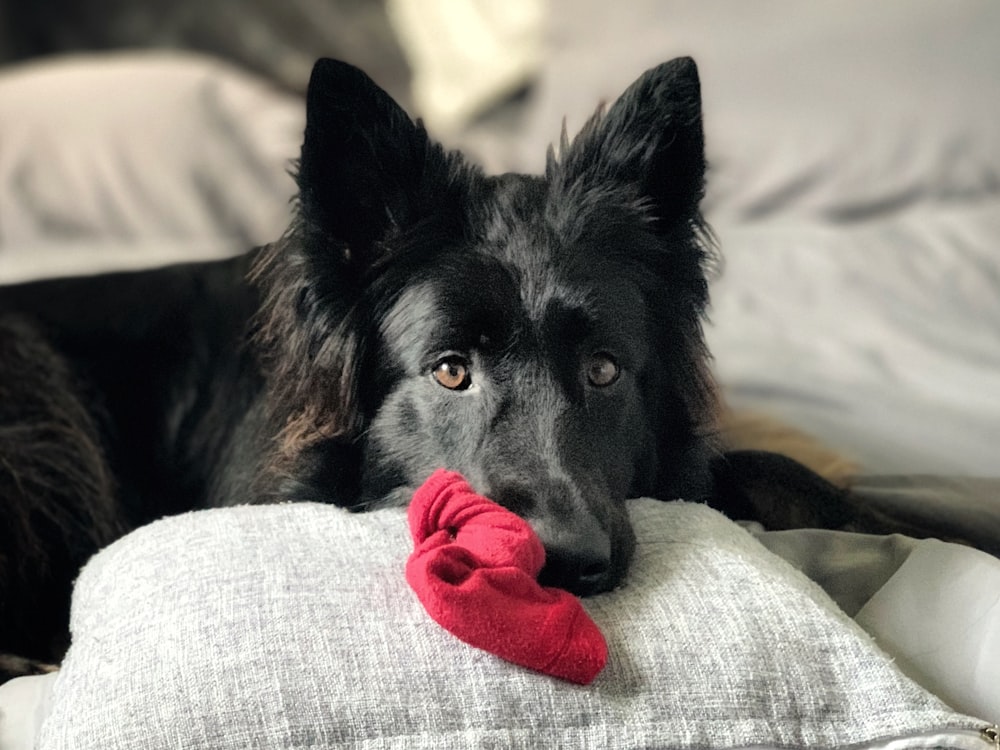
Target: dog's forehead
x: 578, y: 256
x: 515, y: 230
x: 516, y: 273
x: 515, y: 199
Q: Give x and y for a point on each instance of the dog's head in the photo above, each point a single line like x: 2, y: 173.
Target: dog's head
x: 541, y: 335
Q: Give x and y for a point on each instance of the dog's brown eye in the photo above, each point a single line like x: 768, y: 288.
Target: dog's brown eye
x: 453, y: 374
x: 602, y: 370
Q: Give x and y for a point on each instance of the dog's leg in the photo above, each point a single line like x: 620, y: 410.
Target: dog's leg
x: 56, y: 498
x: 781, y: 493
x: 741, y: 430
x: 17, y: 666
x: 777, y: 491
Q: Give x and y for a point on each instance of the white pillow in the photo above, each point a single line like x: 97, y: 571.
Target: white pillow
x: 292, y: 626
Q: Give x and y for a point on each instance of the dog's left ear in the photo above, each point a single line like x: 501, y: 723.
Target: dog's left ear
x: 652, y: 139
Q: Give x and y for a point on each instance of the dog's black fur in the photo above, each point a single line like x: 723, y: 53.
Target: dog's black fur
x: 540, y: 334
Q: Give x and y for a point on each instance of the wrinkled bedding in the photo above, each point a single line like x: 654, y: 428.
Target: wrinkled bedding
x: 883, y: 336
x: 126, y: 161
x: 854, y: 189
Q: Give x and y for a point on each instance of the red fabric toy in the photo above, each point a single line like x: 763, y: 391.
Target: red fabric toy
x: 474, y: 566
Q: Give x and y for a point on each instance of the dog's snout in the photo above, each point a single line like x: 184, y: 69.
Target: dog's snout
x: 582, y: 569
x: 515, y: 497
x: 582, y: 554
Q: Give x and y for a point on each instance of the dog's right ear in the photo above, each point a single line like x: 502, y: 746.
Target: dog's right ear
x: 362, y: 162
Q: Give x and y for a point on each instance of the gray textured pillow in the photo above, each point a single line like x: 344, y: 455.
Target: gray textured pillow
x: 292, y: 626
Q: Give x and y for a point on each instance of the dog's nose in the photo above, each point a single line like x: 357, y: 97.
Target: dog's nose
x: 582, y: 569
x: 578, y: 550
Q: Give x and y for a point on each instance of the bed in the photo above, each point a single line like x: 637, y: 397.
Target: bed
x: 854, y: 189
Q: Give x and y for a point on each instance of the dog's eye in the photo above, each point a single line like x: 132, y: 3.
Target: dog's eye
x: 602, y: 370
x: 453, y: 373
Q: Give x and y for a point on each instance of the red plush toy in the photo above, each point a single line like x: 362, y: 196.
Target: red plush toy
x: 474, y: 566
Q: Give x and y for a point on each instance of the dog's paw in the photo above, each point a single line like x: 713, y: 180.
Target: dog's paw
x: 17, y: 666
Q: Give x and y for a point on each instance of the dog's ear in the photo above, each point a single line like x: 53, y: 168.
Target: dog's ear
x: 362, y: 161
x: 650, y: 138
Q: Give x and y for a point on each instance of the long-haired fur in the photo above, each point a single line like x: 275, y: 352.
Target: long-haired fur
x: 318, y: 282
x: 58, y: 495
x: 325, y: 285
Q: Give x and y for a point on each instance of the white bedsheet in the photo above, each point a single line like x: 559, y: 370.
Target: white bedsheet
x: 881, y: 336
x: 933, y: 606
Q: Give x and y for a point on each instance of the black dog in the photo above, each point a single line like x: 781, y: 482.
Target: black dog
x: 540, y: 334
